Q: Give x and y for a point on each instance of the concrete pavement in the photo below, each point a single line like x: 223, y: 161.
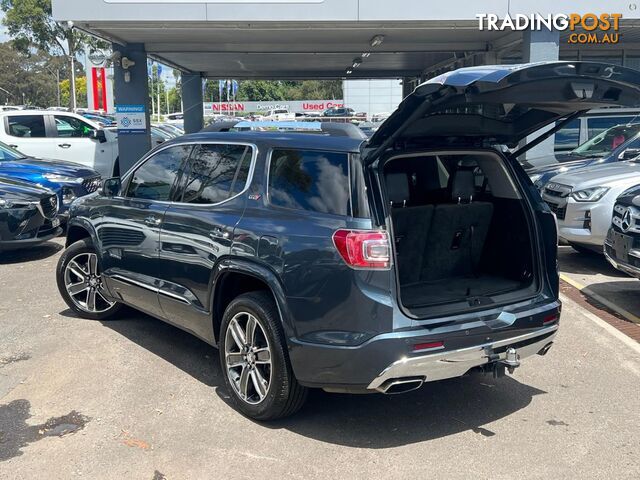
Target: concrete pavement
x: 138, y: 399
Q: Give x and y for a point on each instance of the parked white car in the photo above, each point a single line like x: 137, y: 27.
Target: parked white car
x: 583, y: 201
x: 280, y: 115
x: 60, y: 136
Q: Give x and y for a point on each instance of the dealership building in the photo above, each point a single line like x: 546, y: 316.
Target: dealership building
x: 374, y: 46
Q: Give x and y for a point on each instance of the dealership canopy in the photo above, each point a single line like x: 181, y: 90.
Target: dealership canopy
x: 315, y: 38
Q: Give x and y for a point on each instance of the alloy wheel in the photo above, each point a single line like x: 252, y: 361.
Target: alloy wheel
x: 83, y: 283
x: 248, y: 358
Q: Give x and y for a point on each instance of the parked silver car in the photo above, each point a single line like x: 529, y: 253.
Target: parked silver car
x: 583, y: 201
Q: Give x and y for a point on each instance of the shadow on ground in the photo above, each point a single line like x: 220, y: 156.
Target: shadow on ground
x: 585, y: 263
x: 39, y: 252
x: 364, y: 421
x: 16, y: 433
x: 181, y: 349
x: 625, y: 294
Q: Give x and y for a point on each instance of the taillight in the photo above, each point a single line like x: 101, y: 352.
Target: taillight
x: 368, y: 249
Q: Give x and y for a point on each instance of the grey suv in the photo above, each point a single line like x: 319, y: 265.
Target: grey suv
x: 314, y: 261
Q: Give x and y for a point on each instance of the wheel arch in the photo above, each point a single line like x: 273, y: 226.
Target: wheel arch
x: 79, y: 229
x: 235, y: 277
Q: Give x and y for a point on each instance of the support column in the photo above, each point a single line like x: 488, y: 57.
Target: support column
x: 135, y: 91
x: 539, y: 46
x: 192, y: 102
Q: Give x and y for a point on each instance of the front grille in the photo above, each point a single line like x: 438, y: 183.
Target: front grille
x: 557, y: 190
x: 91, y: 184
x: 626, y: 218
x: 553, y: 193
x: 49, y: 206
x: 558, y: 210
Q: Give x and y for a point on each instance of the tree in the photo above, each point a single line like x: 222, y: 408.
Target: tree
x: 30, y: 24
x: 81, y: 91
x: 29, y: 78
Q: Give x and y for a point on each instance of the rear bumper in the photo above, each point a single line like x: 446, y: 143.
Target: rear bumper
x: 369, y: 367
x: 455, y: 363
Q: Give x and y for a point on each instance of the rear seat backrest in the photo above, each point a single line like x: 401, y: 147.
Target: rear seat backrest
x: 458, y: 232
x: 410, y: 227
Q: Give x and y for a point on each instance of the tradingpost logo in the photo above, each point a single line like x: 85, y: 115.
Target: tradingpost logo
x: 594, y: 28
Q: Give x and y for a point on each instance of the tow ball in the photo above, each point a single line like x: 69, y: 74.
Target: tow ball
x: 512, y: 361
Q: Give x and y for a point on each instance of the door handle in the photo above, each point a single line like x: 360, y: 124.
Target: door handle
x: 64, y: 145
x: 152, y: 221
x: 13, y: 146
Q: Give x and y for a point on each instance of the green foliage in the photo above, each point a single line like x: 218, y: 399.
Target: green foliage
x: 81, y: 91
x: 30, y: 24
x: 278, y: 90
x: 29, y: 77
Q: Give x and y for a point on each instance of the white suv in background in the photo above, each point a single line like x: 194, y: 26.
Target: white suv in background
x: 60, y: 136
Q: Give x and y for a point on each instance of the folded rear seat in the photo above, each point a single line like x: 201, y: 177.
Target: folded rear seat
x: 458, y: 232
x: 411, y: 226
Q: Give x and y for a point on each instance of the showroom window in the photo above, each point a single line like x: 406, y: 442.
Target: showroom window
x: 310, y: 180
x: 216, y: 173
x: 27, y: 126
x: 156, y: 177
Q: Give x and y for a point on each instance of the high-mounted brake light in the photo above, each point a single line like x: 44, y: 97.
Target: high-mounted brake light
x: 366, y: 249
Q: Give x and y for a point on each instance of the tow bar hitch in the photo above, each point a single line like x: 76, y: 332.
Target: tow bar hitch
x: 512, y: 361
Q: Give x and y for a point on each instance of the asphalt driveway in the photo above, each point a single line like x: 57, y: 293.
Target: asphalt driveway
x: 135, y: 398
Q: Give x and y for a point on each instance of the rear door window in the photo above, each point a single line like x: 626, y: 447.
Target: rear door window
x: 27, y: 126
x: 216, y: 173
x: 310, y: 180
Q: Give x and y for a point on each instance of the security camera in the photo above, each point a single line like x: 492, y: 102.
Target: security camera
x: 127, y: 63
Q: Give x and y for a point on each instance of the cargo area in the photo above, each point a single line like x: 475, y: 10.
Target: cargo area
x: 461, y: 231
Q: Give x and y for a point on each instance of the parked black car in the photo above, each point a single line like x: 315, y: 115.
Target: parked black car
x: 28, y: 214
x: 622, y: 245
x: 325, y: 262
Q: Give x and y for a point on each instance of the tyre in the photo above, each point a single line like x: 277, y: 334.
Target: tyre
x: 584, y: 250
x: 80, y: 283
x: 254, y: 359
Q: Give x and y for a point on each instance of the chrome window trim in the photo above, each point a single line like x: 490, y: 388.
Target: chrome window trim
x: 150, y: 155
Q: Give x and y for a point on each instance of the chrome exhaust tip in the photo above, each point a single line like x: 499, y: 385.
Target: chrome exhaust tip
x: 401, y: 385
x: 543, y: 351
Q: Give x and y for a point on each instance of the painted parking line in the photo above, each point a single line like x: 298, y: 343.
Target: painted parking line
x: 599, y: 298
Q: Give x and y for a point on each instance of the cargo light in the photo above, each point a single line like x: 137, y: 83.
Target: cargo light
x: 364, y: 249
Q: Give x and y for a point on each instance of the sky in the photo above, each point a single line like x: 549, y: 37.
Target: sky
x: 3, y: 32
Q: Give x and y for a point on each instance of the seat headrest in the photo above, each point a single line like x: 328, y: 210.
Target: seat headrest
x: 463, y: 186
x: 398, y: 189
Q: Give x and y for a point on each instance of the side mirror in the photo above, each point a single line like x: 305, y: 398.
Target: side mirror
x: 111, y: 187
x: 99, y: 135
x: 629, y: 153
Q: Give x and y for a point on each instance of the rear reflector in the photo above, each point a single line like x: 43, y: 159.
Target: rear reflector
x: 550, y: 318
x: 366, y: 249
x: 428, y: 346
